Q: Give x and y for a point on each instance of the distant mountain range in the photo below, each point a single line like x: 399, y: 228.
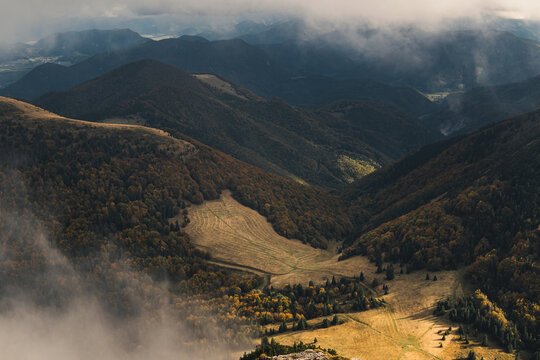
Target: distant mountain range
x: 236, y: 60
x: 64, y: 48
x: 324, y: 146
x: 283, y: 59
x: 74, y: 45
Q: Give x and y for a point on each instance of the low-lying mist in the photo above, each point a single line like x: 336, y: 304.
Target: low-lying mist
x: 51, y: 308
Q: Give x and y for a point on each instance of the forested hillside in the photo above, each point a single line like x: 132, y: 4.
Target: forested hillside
x: 473, y: 201
x: 462, y: 113
x: 95, y: 186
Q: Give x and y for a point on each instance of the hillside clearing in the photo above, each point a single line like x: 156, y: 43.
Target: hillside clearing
x: 405, y: 328
x: 239, y: 236
x: 219, y: 84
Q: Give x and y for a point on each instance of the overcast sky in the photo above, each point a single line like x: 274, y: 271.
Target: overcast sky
x: 22, y: 19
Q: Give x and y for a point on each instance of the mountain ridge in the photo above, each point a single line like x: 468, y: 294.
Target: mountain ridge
x: 470, y: 201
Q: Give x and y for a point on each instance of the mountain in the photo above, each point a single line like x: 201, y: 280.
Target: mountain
x: 44, y: 78
x: 236, y: 60
x: 470, y: 201
x: 312, y: 146
x: 465, y: 112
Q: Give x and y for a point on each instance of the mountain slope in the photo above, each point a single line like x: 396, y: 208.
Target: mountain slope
x: 42, y: 79
x: 385, y: 128
x: 479, y: 107
x: 87, y: 216
x: 35, y: 140
x: 268, y: 133
x: 472, y: 201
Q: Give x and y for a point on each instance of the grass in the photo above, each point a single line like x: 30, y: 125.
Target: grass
x: 354, y: 169
x: 219, y: 84
x: 239, y: 236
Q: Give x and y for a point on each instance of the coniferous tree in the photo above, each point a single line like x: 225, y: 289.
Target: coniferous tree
x: 390, y: 272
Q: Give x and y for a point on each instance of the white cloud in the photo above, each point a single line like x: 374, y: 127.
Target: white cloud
x: 18, y: 18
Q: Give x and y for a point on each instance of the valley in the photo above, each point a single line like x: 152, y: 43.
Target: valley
x: 240, y: 238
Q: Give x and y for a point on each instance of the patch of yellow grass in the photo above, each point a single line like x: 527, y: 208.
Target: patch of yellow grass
x: 219, y: 84
x: 236, y: 234
x: 353, y: 169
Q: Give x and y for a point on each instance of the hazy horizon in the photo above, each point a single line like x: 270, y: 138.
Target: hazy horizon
x: 168, y: 17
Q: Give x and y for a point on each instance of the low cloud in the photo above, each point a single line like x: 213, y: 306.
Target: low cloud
x: 21, y: 19
x: 52, y: 309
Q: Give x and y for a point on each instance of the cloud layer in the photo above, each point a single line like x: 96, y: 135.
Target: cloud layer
x: 19, y: 19
x: 50, y: 310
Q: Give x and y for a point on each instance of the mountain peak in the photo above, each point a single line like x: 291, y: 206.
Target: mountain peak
x: 193, y: 38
